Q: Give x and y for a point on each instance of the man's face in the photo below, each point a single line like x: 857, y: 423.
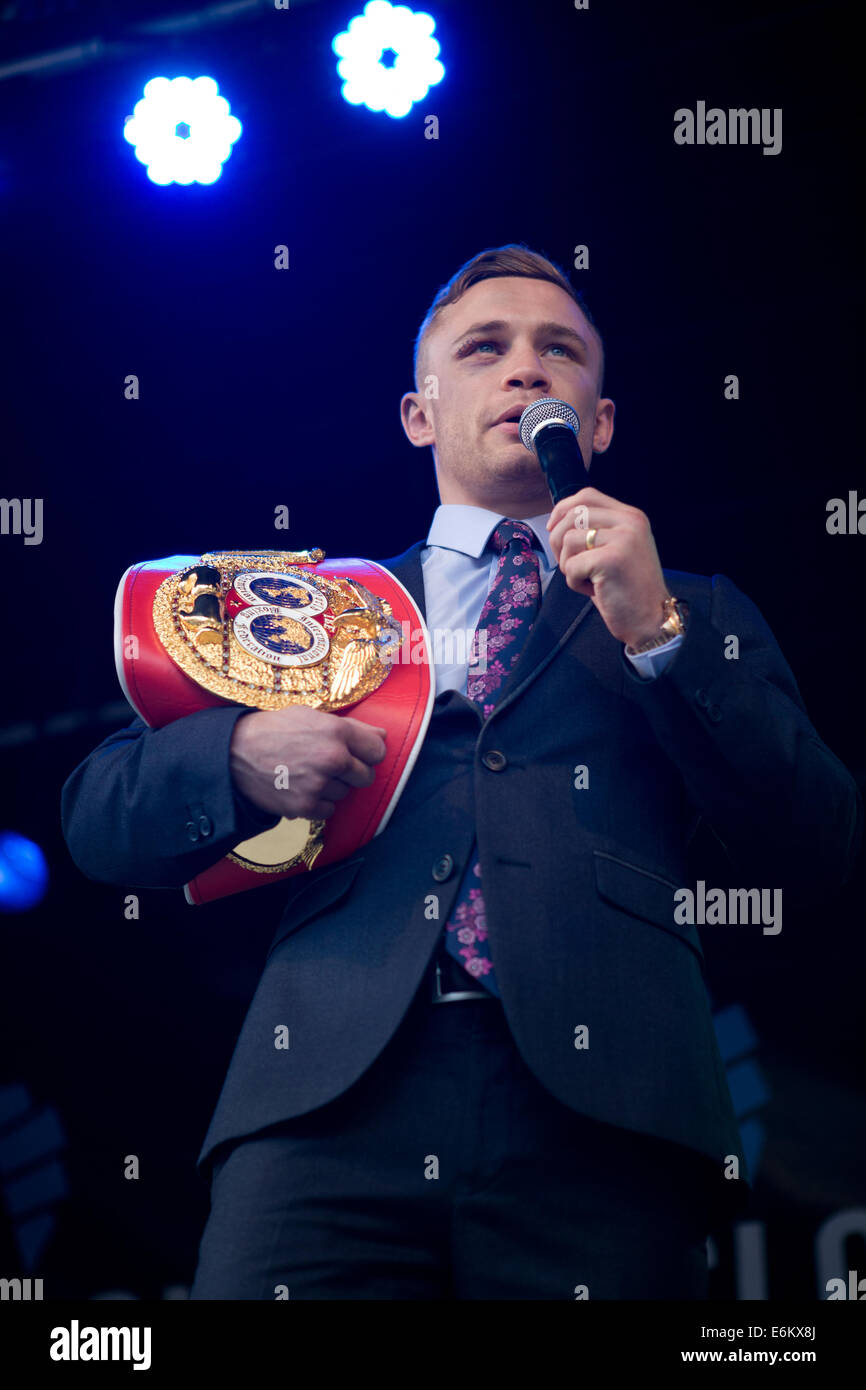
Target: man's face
x: 504, y: 344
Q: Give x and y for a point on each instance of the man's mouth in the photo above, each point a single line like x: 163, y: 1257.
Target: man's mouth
x: 509, y: 421
x: 511, y: 425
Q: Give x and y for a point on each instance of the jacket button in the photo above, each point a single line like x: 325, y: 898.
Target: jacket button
x: 205, y: 825
x: 442, y: 868
x: 192, y: 830
x: 494, y: 760
x: 714, y: 714
x: 702, y: 698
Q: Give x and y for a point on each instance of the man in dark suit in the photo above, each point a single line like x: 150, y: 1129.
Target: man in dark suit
x: 503, y: 1080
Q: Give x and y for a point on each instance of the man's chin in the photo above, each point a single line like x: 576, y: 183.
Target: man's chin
x: 510, y: 457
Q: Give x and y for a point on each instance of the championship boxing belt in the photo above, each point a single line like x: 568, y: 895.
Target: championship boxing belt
x: 268, y: 629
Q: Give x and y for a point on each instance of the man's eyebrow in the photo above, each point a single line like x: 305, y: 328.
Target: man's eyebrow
x: 543, y: 330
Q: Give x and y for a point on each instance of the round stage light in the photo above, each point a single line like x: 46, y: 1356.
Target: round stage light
x: 182, y: 130
x: 23, y: 872
x: 388, y: 58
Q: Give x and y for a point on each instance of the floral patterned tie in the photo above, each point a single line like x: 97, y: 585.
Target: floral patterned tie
x: 508, y: 613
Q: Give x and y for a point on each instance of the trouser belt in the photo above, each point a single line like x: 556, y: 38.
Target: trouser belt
x: 450, y: 983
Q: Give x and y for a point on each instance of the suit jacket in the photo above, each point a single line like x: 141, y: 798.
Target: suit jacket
x: 578, y: 880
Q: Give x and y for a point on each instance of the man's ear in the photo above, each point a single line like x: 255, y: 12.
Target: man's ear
x: 416, y: 419
x: 602, y: 432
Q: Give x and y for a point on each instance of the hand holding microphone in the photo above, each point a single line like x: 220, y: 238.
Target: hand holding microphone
x: 604, y: 547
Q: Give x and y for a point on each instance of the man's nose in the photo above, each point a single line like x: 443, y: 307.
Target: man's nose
x: 528, y: 372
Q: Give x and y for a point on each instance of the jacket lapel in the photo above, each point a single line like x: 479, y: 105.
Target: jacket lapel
x: 562, y: 610
x: 407, y: 568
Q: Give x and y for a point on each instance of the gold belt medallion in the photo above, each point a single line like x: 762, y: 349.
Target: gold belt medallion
x: 260, y: 628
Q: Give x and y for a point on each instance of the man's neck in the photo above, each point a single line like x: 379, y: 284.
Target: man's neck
x: 518, y: 511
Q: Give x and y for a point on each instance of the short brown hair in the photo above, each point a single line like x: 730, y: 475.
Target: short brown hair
x: 515, y: 258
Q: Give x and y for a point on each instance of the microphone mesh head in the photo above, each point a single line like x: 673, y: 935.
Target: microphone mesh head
x: 543, y: 411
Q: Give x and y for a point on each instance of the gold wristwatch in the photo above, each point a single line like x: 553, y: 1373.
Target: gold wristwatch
x: 674, y: 625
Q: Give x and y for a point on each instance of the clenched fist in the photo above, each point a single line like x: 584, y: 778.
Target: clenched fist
x: 326, y: 756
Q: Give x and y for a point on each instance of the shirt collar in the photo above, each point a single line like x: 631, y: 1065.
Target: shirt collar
x: 459, y: 526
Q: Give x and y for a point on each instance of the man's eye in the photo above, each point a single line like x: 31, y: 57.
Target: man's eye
x: 566, y: 348
x: 474, y: 344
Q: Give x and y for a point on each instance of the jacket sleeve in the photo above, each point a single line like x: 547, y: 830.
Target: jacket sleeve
x: 152, y: 808
x: 787, y: 811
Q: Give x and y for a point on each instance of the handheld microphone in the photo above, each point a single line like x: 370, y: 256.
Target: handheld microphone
x: 549, y: 429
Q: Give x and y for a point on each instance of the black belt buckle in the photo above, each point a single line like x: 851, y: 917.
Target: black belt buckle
x: 453, y: 996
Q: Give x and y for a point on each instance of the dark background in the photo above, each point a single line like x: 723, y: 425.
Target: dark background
x: 261, y: 388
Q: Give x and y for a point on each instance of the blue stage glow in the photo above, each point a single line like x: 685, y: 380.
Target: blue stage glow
x: 388, y: 58
x: 23, y: 873
x: 182, y: 130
